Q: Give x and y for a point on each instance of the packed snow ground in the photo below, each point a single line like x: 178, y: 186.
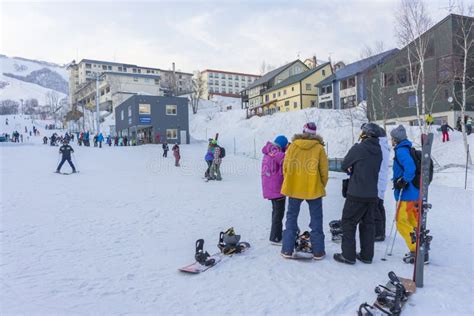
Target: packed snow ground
x: 110, y: 239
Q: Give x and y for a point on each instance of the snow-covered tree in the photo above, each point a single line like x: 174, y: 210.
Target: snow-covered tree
x: 197, y: 91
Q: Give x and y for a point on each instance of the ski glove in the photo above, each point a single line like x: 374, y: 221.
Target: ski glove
x: 400, y: 184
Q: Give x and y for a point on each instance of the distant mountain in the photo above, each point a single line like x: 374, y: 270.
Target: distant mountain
x: 22, y: 78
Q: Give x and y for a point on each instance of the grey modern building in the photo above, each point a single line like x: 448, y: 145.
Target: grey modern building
x: 153, y: 119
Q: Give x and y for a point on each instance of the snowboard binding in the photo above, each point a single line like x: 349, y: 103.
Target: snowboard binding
x: 336, y: 230
x: 303, y: 242
x: 229, y: 242
x: 201, y: 256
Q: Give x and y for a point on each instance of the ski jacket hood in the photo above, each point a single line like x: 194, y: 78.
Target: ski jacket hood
x: 272, y: 171
x: 305, y: 168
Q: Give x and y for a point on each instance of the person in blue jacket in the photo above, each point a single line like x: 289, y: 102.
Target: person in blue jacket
x: 100, y: 139
x: 209, y: 158
x: 406, y: 194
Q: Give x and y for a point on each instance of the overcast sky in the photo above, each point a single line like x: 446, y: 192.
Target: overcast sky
x: 227, y: 35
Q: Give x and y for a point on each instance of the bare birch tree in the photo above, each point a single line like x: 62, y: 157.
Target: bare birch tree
x: 52, y: 100
x: 412, y: 21
x: 464, y: 42
x: 197, y: 91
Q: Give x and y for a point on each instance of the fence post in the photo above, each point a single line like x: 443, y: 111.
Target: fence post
x: 467, y: 162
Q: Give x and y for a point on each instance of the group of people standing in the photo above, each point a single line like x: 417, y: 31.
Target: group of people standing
x: 176, y: 152
x: 299, y: 171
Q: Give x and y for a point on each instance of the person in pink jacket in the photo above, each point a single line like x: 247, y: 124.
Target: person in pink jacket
x: 272, y: 179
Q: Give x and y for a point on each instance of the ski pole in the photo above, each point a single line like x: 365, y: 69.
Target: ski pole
x: 391, y: 229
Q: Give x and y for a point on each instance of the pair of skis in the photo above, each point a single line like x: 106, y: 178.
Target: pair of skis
x: 392, y: 297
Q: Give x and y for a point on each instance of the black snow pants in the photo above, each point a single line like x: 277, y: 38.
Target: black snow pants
x: 379, y: 218
x: 358, y: 212
x: 278, y: 211
x: 63, y: 160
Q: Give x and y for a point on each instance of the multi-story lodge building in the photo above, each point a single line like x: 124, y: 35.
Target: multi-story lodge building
x: 395, y: 98
x: 118, y: 81
x: 252, y: 96
x: 346, y: 88
x: 225, y: 83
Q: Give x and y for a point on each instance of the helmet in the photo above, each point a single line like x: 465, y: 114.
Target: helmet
x: 370, y: 130
x: 65, y: 141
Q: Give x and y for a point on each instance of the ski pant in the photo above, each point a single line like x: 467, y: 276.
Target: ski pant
x: 176, y: 161
x: 165, y: 153
x: 379, y: 219
x: 316, y: 225
x: 357, y: 212
x: 445, y: 136
x: 215, y: 171
x: 278, y: 211
x: 407, y: 221
x: 208, y: 170
x: 100, y: 144
x: 63, y: 160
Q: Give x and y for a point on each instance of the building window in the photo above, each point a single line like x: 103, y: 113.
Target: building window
x: 308, y: 87
x: 287, y: 103
x: 88, y: 72
x: 323, y: 72
x: 295, y: 105
x: 102, y: 92
x: 109, y: 67
x: 171, y: 134
x: 144, y: 109
x: 274, y: 95
x: 129, y: 110
x: 107, y: 90
x: 401, y: 76
x: 124, y: 69
x: 292, y: 88
x: 104, y: 67
x: 121, y: 115
x: 284, y: 92
x: 119, y: 68
x: 267, y: 98
x: 171, y: 109
x: 88, y: 66
x: 412, y: 101
x: 134, y: 70
x: 157, y: 81
x: 352, y: 82
x: 279, y: 93
x: 388, y: 79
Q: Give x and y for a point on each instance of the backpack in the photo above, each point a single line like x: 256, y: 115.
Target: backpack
x: 222, y: 154
x: 416, y: 155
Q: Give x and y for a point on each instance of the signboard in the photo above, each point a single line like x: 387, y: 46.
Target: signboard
x: 144, y: 109
x: 406, y: 89
x: 347, y: 92
x: 325, y: 97
x: 145, y: 119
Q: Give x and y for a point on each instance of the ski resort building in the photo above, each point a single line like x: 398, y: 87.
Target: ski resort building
x: 347, y: 86
x: 395, y: 95
x: 119, y: 81
x: 146, y: 119
x: 252, y: 96
x: 225, y: 83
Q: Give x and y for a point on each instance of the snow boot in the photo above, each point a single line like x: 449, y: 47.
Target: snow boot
x: 358, y: 257
x: 340, y: 258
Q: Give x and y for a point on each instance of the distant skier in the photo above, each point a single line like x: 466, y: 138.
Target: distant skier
x: 125, y: 141
x: 26, y: 129
x: 116, y: 141
x: 272, y: 180
x: 65, y: 150
x: 362, y: 162
x: 215, y: 171
x: 444, y: 129
x: 429, y: 119
x: 305, y: 173
x: 176, y: 154
x: 45, y: 140
x: 469, y: 126
x: 100, y: 139
x: 95, y: 139
x: 165, y: 148
x: 109, y: 140
x: 6, y: 121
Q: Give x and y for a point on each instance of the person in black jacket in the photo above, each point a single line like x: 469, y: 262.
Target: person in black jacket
x: 165, y: 149
x: 65, y: 150
x: 362, y: 162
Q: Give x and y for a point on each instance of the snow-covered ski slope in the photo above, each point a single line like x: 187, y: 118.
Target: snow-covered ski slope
x: 110, y: 239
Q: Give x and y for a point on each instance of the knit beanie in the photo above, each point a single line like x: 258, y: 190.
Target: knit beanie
x: 399, y: 133
x: 309, y: 128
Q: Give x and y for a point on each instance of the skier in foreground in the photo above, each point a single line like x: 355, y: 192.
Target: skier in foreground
x: 305, y: 172
x: 362, y: 162
x: 65, y: 150
x: 404, y: 170
x: 272, y: 179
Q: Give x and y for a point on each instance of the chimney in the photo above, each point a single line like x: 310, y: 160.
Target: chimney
x: 315, y: 61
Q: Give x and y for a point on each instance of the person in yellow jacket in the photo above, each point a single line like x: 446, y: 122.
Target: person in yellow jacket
x: 429, y: 119
x: 305, y: 173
